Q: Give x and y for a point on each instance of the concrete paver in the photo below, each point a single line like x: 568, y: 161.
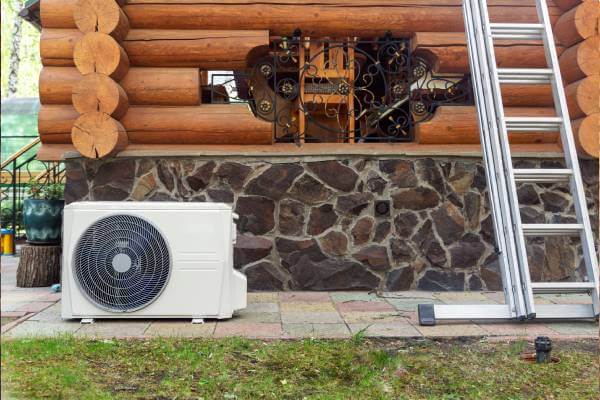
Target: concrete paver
x: 113, y: 329
x: 322, y: 331
x: 339, y: 297
x: 307, y: 306
x: 356, y: 317
x: 360, y: 305
x: 262, y: 297
x: 304, y: 296
x: 314, y: 317
x: 450, y: 329
x: 248, y: 329
x: 388, y: 329
x: 183, y: 328
x: 29, y: 329
x: 583, y: 328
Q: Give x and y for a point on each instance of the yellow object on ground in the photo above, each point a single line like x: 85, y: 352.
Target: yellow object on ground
x: 8, y: 241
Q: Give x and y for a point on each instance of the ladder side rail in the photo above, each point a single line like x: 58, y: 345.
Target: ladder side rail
x: 570, y: 152
x: 490, y: 161
x: 496, y: 180
x: 519, y: 241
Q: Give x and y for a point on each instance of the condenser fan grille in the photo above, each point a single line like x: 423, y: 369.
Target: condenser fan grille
x: 122, y: 263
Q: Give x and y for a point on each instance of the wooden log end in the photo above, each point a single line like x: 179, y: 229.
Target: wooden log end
x: 98, y: 135
x: 98, y: 92
x: 580, y: 60
x: 99, y: 52
x: 577, y: 24
x: 583, y: 97
x: 587, y: 135
x: 103, y: 16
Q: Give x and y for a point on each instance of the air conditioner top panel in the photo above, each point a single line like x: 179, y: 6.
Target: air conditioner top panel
x: 146, y: 205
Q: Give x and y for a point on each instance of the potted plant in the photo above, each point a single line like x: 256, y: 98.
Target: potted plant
x: 42, y: 213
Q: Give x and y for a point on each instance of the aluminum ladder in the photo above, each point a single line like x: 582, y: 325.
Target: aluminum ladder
x: 494, y: 127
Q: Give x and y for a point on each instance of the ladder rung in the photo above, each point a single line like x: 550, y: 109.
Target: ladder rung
x: 552, y: 229
x: 542, y: 175
x: 525, y: 76
x: 517, y: 31
x: 523, y: 124
x: 562, y: 287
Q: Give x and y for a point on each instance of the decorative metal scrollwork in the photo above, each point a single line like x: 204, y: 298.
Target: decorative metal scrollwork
x: 317, y: 90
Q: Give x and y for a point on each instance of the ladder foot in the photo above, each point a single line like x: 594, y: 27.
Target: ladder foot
x: 426, y: 314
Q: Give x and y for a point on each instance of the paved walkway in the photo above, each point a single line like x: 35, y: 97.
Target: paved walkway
x: 36, y: 312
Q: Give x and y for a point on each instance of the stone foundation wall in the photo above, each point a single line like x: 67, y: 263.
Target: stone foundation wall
x: 352, y: 223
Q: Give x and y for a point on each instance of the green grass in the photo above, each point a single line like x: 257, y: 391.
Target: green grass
x: 67, y: 368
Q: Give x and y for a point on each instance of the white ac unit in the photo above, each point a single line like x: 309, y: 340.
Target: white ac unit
x: 150, y: 260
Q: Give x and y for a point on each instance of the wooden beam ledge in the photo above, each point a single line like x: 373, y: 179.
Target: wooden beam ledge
x: 54, y: 152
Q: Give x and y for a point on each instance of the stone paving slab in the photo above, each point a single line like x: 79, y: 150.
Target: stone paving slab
x: 388, y: 329
x: 119, y: 329
x: 451, y: 330
x: 311, y: 317
x: 297, y: 331
x: 248, y: 329
x: 518, y: 329
x: 357, y: 317
x: 307, y: 306
x: 30, y: 329
x: 365, y: 306
x: 287, y: 315
x: 183, y: 328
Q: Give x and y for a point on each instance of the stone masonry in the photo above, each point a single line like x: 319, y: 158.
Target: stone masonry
x: 353, y: 223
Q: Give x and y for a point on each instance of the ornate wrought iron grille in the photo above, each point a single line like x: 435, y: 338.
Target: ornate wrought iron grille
x: 344, y: 91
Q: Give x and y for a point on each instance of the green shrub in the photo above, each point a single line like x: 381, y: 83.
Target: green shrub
x: 46, y: 191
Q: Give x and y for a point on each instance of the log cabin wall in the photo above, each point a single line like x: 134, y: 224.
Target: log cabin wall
x: 166, y: 46
x: 323, y: 216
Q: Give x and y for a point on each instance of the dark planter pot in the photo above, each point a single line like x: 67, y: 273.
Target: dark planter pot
x: 43, y: 220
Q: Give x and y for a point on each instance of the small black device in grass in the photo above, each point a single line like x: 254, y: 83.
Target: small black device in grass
x: 543, y: 348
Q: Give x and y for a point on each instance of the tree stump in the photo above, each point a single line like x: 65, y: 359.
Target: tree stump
x: 38, y: 266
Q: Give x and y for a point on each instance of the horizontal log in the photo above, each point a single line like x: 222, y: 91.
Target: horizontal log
x: 458, y: 125
x: 99, y: 52
x: 447, y: 52
x: 577, y: 24
x: 324, y: 17
x: 143, y: 86
x: 583, y: 97
x: 206, y: 124
x: 56, y: 46
x: 566, y: 5
x: 163, y: 86
x: 209, y: 50
x: 527, y: 95
x: 101, y: 16
x: 580, y: 60
x: 204, y: 49
x: 587, y: 134
x: 56, y: 84
x: 57, y: 13
x: 54, y: 120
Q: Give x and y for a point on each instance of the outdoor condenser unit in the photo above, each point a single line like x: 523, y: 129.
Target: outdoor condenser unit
x: 150, y: 260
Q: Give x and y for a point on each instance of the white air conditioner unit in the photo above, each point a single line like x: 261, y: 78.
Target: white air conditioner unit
x: 150, y: 260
